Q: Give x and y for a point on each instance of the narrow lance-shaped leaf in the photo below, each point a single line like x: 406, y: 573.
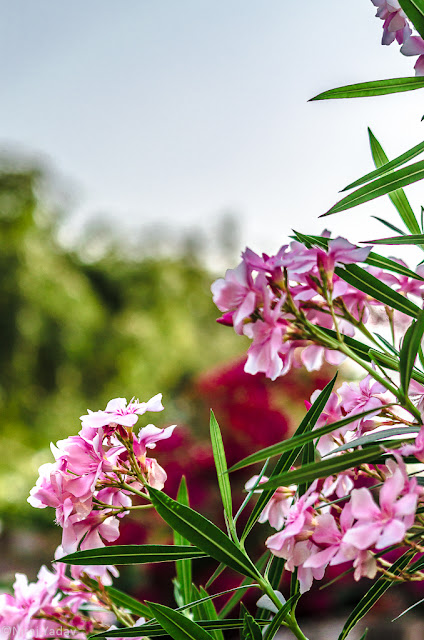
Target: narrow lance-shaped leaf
x: 289, y: 457
x: 377, y: 437
x: 221, y: 469
x: 183, y: 567
x: 380, y: 187
x: 325, y: 468
x: 177, y: 625
x: 123, y: 599
x: 373, y: 594
x: 132, y: 554
x: 388, y: 166
x: 373, y: 88
x: 298, y: 441
x: 389, y: 225
x: 154, y: 630
x: 280, y: 616
x: 398, y: 197
x: 251, y: 629
x: 409, y: 351
x: 210, y: 613
x: 202, y: 532
x: 369, y: 284
x: 415, y: 239
x: 414, y: 9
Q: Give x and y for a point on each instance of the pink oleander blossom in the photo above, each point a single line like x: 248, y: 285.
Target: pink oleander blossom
x: 278, y: 507
x: 387, y: 524
x: 414, y: 46
x: 416, y: 449
x: 298, y: 524
x: 118, y: 412
x: 265, y: 353
x: 396, y: 26
x: 358, y: 398
x: 340, y: 252
x: 237, y: 293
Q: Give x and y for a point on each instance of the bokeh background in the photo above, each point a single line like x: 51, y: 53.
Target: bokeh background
x: 142, y: 147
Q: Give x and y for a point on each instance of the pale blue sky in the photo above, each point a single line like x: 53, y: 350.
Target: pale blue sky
x: 171, y: 111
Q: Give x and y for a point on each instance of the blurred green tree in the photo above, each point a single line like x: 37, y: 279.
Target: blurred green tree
x: 76, y: 331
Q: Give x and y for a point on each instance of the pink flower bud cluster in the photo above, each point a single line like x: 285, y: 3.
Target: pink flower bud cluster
x: 96, y: 473
x: 396, y: 27
x: 316, y: 533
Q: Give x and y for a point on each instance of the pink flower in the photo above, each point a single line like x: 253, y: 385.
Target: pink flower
x: 357, y: 398
x: 91, y: 531
x: 264, y: 355
x: 414, y: 46
x: 329, y: 535
x: 117, y: 412
x: 416, y: 449
x: 395, y: 23
x: 298, y: 525
x: 278, y: 507
x: 341, y: 251
x: 236, y: 293
x: 384, y: 525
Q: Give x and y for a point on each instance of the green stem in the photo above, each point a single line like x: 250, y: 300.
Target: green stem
x: 290, y: 621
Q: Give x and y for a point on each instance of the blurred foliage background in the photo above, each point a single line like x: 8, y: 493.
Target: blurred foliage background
x: 76, y: 330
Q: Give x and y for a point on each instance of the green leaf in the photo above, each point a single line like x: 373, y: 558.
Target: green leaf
x: 128, y: 602
x: 414, y: 9
x: 276, y: 571
x: 415, y: 239
x: 251, y: 629
x: 154, y: 630
x: 325, y: 468
x: 398, y: 197
x: 297, y: 441
x: 177, y: 625
x: 132, y: 554
x: 280, y: 616
x: 373, y: 88
x: 388, y: 166
x: 289, y: 457
x: 409, y: 351
x: 183, y: 567
x: 209, y: 612
x: 202, y: 532
x: 389, y: 225
x: 369, y: 284
x: 408, y: 609
x: 380, y: 187
x: 373, y: 594
x: 221, y: 469
x: 376, y: 437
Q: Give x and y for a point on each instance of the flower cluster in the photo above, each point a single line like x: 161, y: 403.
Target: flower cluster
x: 97, y: 473
x: 316, y: 532
x: 278, y: 301
x: 55, y: 606
x: 396, y: 27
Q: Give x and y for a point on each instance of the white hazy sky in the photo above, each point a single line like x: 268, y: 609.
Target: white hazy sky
x: 172, y: 111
